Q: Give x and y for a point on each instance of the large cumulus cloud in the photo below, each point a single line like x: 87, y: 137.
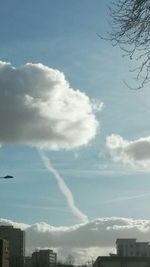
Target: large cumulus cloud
x: 39, y: 108
x: 97, y: 237
x: 135, y: 153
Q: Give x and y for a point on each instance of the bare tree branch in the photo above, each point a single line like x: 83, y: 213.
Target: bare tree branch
x: 130, y: 23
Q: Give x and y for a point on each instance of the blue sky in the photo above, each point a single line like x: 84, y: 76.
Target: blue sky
x: 63, y: 35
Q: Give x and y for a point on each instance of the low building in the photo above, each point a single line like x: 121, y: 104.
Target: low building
x: 44, y: 258
x: 4, y: 253
x: 107, y: 261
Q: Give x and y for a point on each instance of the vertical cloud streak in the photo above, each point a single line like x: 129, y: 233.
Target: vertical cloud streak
x: 64, y: 189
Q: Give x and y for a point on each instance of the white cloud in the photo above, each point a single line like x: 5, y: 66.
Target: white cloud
x: 84, y: 241
x: 135, y: 153
x: 39, y: 108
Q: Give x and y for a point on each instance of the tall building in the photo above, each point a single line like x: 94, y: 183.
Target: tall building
x: 44, y: 258
x: 4, y: 253
x: 128, y: 247
x: 16, y: 238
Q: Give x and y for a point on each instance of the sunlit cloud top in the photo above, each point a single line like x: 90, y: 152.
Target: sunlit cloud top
x: 39, y: 108
x: 135, y: 153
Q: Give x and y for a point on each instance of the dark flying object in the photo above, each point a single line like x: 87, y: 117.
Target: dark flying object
x: 7, y: 177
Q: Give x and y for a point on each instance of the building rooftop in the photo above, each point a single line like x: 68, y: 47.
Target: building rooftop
x: 123, y: 259
x: 125, y: 239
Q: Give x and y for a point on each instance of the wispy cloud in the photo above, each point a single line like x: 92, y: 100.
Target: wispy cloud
x: 127, y: 198
x: 38, y: 207
x: 64, y: 189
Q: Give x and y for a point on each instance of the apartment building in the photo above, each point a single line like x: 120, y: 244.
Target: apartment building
x: 130, y: 253
x: 44, y: 258
x: 128, y: 247
x: 16, y: 238
x: 4, y: 253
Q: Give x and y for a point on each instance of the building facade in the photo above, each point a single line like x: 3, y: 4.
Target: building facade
x: 16, y: 238
x: 44, y: 258
x: 128, y: 247
x: 4, y: 253
x: 28, y: 261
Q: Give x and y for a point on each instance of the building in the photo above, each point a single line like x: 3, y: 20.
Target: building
x: 128, y: 247
x: 4, y: 253
x: 59, y: 264
x: 28, y: 262
x: 44, y: 258
x: 107, y: 261
x: 129, y: 254
x: 16, y: 238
